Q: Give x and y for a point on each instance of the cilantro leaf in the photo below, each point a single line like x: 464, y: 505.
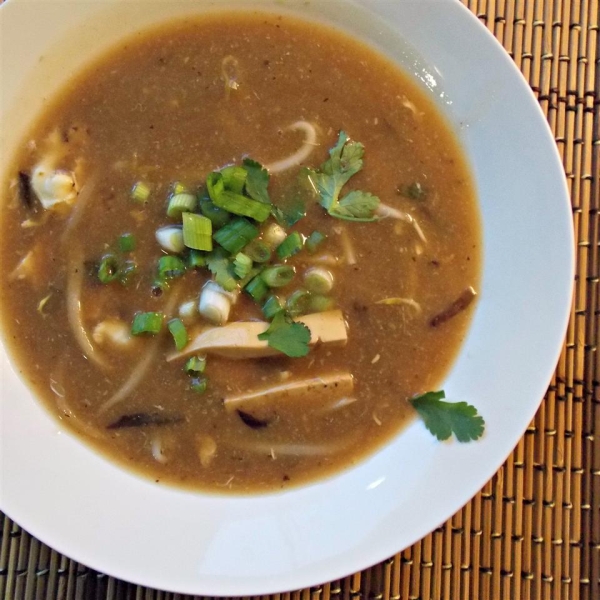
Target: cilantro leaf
x: 257, y: 182
x: 443, y: 419
x: 356, y: 206
x: 221, y: 267
x: 287, y: 337
x: 345, y: 160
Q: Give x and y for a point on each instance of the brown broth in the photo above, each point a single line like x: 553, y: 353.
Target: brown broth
x: 155, y: 109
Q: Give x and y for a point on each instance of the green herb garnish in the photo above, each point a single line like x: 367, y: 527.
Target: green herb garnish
x: 257, y: 181
x: 345, y: 160
x: 149, y: 322
x: 179, y: 333
x: 443, y: 419
x: 109, y: 268
x: 291, y: 245
x: 242, y: 265
x: 195, y: 364
x: 170, y: 267
x: 236, y: 234
x: 197, y: 231
x: 127, y: 243
x: 287, y: 337
x: 220, y: 266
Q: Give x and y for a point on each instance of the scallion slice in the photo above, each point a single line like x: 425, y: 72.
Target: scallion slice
x: 149, y: 322
x: 195, y: 364
x: 318, y: 280
x: 236, y: 234
x: 108, y: 269
x: 243, y: 206
x: 170, y: 267
x: 234, y: 178
x: 180, y: 203
x: 258, y: 251
x: 319, y: 303
x: 298, y: 303
x: 242, y: 265
x: 199, y: 384
x: 218, y: 216
x: 179, y: 333
x: 170, y: 238
x: 257, y: 288
x: 271, y: 307
x: 127, y: 242
x: 196, y: 259
x: 291, y: 245
x: 314, y: 240
x: 277, y: 276
x: 140, y: 192
x: 197, y: 231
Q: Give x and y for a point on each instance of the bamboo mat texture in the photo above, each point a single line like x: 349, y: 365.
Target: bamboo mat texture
x: 533, y: 532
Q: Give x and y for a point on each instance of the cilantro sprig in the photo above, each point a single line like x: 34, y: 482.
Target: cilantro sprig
x: 345, y: 160
x: 287, y: 336
x: 443, y: 419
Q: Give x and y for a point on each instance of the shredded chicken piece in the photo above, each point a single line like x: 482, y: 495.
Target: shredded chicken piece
x: 310, y: 141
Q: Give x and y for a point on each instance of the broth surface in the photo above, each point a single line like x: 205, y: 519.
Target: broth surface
x: 156, y: 109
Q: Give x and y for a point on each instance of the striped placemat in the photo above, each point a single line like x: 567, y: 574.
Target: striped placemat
x: 533, y: 532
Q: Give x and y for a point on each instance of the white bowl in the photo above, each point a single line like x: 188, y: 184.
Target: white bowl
x: 118, y: 523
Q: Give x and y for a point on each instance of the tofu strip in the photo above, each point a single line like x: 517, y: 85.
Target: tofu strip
x: 239, y: 340
x: 321, y: 390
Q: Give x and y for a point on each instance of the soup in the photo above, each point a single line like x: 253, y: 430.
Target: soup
x: 234, y: 251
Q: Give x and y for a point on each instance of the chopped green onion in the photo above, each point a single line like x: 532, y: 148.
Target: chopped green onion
x: 149, y: 322
x: 236, y: 234
x: 127, y: 271
x: 314, y: 241
x: 258, y: 251
x: 272, y: 307
x: 180, y: 203
x: 218, y: 216
x: 318, y: 280
x: 245, y: 207
x: 180, y: 188
x: 170, y: 238
x: 242, y: 265
x: 108, y: 269
x: 298, y: 303
x: 170, y: 267
x: 257, y: 288
x: 219, y: 264
x: 196, y: 259
x: 320, y: 303
x: 235, y: 203
x: 127, y: 242
x: 179, y: 333
x: 277, y: 276
x: 195, y: 364
x: 199, y: 385
x: 140, y: 192
x: 197, y: 231
x: 291, y: 245
x: 234, y: 178
x: 274, y: 235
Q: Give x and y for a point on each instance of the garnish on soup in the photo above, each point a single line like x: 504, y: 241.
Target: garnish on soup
x: 240, y: 261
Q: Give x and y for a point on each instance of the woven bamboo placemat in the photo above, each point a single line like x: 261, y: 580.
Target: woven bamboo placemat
x: 533, y: 532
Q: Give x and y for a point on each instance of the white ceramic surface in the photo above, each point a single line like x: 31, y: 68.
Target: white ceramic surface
x: 125, y: 526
